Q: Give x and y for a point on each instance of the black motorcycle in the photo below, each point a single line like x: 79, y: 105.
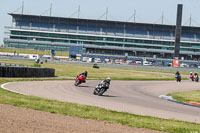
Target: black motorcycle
x: 196, y: 78
x: 178, y: 78
x: 101, y: 88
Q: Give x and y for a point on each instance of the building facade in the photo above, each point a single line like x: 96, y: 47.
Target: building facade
x: 100, y: 36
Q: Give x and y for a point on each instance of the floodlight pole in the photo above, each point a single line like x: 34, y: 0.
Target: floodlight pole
x: 178, y: 32
x: 162, y: 21
x: 50, y: 9
x: 134, y: 16
x: 107, y: 14
x: 190, y: 20
x: 79, y: 10
x: 22, y: 7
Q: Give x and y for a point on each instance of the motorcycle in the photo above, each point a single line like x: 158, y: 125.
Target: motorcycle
x: 192, y: 77
x: 178, y: 78
x: 196, y: 78
x: 101, y: 89
x: 80, y: 79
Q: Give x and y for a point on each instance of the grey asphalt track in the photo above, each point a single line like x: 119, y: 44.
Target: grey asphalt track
x: 138, y: 97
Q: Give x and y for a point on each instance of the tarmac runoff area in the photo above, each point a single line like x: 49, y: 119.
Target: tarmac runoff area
x: 137, y: 97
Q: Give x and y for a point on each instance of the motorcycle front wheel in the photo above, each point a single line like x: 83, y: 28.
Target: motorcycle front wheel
x: 94, y: 92
x: 77, y: 83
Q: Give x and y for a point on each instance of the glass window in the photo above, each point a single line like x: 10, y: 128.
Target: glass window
x: 54, y: 35
x: 82, y: 37
x: 99, y: 38
x: 119, y: 39
x: 129, y: 40
x: 61, y: 36
x: 72, y: 36
x: 101, y: 44
x: 25, y: 33
x: 15, y: 32
x: 34, y: 34
x: 109, y: 39
x: 91, y: 38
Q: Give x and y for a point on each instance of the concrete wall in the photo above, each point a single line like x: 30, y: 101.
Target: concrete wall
x: 26, y: 72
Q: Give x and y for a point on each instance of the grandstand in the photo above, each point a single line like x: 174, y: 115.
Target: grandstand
x: 100, y: 36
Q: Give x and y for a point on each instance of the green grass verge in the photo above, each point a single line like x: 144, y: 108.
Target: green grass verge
x: 102, y: 73
x: 71, y: 109
x: 186, y: 96
x: 32, y: 51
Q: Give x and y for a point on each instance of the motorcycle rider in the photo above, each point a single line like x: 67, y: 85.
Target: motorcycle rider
x: 196, y: 77
x: 84, y: 74
x: 105, y: 82
x: 178, y: 76
x: 196, y: 74
x: 191, y: 76
x: 177, y: 73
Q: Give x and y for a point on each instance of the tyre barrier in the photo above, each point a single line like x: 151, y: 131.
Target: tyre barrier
x: 26, y: 72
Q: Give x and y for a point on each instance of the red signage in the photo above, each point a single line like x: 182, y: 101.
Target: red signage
x: 176, y: 62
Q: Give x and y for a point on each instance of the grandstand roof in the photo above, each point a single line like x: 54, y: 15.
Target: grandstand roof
x: 103, y: 23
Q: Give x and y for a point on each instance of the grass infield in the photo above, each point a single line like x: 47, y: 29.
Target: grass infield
x: 187, y: 96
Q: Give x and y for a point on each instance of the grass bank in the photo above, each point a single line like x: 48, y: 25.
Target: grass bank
x: 187, y: 96
x: 71, y: 109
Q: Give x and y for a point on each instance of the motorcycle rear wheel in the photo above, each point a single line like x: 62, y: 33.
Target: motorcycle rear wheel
x: 101, y: 92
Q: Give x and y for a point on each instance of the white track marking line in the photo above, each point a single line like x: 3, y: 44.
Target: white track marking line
x: 3, y: 87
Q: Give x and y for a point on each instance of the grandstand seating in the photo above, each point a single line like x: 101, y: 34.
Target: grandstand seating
x: 187, y: 37
x: 22, y: 23
x: 105, y: 30
x: 197, y: 38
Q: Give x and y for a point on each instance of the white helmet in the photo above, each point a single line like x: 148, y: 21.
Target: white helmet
x: 108, y: 79
x: 190, y: 72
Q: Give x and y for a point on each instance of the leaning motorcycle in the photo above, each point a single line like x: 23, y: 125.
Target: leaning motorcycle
x: 80, y: 79
x: 196, y: 78
x: 101, y: 89
x: 192, y: 77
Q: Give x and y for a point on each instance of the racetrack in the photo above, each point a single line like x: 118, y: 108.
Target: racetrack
x: 138, y: 97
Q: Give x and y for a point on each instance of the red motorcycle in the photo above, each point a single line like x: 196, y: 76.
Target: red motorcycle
x: 80, y: 79
x: 192, y: 77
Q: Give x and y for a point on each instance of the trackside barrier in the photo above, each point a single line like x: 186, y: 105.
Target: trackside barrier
x: 26, y: 72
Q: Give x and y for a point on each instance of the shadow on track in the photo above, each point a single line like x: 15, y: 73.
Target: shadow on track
x: 84, y: 86
x: 108, y: 96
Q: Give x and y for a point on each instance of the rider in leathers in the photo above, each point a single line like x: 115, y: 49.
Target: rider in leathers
x: 105, y: 83
x: 84, y: 74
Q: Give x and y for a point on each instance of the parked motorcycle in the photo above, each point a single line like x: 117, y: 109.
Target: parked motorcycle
x: 101, y: 88
x: 80, y: 79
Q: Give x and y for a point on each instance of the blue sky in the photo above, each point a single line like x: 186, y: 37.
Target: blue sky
x: 147, y: 11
